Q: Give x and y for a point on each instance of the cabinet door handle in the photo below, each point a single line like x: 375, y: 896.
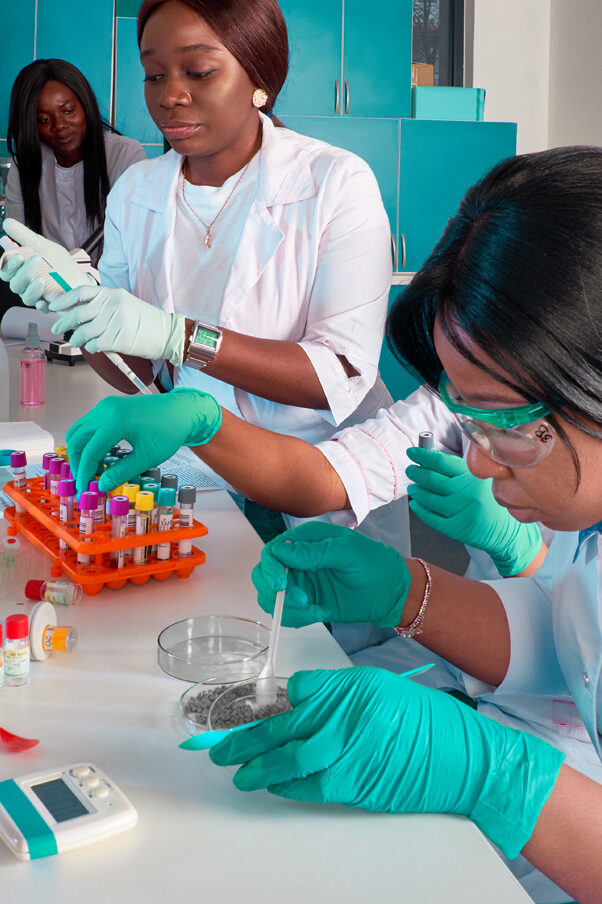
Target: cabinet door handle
x: 403, y: 251
x: 347, y: 97
x: 337, y: 96
x: 395, y: 255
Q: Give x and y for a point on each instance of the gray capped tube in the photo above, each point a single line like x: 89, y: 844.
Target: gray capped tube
x: 186, y: 500
x: 426, y: 440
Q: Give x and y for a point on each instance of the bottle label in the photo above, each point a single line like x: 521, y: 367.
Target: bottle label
x: 165, y: 523
x: 16, y: 662
x: 58, y: 593
x: 86, y: 523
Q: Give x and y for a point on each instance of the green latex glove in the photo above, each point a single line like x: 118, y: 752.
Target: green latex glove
x: 155, y: 426
x: 367, y: 738
x: 334, y: 574
x: 113, y: 320
x: 25, y: 270
x: 447, y: 497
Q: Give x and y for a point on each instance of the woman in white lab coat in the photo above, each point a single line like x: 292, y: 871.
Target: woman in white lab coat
x: 277, y: 244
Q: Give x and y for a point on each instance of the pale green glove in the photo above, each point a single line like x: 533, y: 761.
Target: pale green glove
x: 154, y: 425
x: 113, y: 320
x: 334, y: 574
x: 447, y: 497
x: 368, y: 738
x: 27, y: 273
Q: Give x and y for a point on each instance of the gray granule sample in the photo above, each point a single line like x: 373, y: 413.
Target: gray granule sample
x: 234, y: 711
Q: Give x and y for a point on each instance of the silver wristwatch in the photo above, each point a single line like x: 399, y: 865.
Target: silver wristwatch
x: 204, y: 345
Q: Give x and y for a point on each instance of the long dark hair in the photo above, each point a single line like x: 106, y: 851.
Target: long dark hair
x: 518, y: 271
x: 254, y: 31
x: 24, y: 143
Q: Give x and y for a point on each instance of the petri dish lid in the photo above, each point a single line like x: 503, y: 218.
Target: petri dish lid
x: 207, y: 646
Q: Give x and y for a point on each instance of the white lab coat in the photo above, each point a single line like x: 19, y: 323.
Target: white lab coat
x: 313, y: 266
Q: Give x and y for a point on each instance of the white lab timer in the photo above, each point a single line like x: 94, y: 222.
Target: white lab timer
x: 52, y: 812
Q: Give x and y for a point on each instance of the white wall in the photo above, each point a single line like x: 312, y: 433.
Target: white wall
x: 575, y: 100
x: 511, y: 60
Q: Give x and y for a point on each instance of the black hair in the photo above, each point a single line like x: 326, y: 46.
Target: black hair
x: 254, y: 32
x: 24, y: 142
x: 518, y: 273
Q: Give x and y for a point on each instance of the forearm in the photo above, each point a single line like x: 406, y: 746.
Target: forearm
x: 464, y: 622
x: 536, y: 563
x: 273, y: 469
x: 114, y: 377
x: 567, y: 839
x: 272, y: 369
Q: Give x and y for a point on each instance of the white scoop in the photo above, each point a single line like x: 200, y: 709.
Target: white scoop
x: 269, y: 669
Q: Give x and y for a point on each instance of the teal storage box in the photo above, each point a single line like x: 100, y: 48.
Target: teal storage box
x: 448, y: 103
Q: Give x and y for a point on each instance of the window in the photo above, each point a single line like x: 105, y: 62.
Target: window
x: 438, y: 39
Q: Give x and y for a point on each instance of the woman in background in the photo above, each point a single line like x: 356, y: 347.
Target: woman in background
x: 66, y: 158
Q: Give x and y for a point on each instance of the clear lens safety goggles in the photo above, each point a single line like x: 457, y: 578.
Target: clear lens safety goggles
x: 517, y: 437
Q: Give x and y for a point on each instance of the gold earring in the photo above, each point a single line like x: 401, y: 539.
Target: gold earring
x: 260, y: 97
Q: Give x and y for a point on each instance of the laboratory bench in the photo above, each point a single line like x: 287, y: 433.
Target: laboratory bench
x: 197, y: 837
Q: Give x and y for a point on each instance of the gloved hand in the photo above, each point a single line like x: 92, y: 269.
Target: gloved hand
x: 26, y: 272
x: 155, y: 426
x: 334, y: 574
x: 447, y: 497
x: 367, y: 738
x: 113, y: 320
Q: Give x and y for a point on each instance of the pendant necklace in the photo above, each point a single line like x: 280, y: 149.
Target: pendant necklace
x: 208, y: 226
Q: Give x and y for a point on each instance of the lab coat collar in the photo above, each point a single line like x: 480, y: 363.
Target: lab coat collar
x: 585, y: 534
x: 285, y: 175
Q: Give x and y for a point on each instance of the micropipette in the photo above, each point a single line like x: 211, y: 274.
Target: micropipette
x: 55, y: 284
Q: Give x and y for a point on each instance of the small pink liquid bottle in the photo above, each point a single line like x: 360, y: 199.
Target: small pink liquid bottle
x: 33, y: 363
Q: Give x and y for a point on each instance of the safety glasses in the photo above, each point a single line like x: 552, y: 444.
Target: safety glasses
x: 517, y: 437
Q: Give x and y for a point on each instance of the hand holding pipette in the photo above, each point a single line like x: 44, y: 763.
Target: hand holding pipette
x: 41, y: 272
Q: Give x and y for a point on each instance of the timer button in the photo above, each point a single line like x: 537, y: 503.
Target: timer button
x: 80, y: 771
x: 92, y: 782
x: 102, y: 791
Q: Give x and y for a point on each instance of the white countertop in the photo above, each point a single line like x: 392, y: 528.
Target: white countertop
x: 197, y: 836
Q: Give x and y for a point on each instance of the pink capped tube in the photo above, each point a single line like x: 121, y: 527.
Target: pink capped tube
x: 54, y: 473
x: 46, y: 464
x: 18, y: 461
x: 66, y: 473
x: 66, y: 492
x: 119, y: 511
x: 88, y: 503
x: 101, y: 508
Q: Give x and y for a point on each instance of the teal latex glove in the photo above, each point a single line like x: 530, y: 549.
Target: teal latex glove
x: 113, y: 320
x: 25, y: 270
x: 154, y: 425
x: 334, y: 574
x: 368, y: 738
x: 447, y: 497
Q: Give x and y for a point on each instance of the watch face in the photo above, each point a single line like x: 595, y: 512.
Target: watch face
x: 207, y: 337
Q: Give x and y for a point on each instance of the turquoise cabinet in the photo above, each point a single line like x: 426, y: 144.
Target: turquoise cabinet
x: 377, y: 58
x: 439, y: 161
x: 315, y: 31
x: 131, y: 116
x: 18, y: 27
x: 347, y: 58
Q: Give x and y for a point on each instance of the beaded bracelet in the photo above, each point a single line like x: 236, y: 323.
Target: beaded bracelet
x: 416, y: 627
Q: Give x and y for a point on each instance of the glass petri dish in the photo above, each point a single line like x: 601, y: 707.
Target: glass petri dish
x: 196, y: 702
x: 246, y: 701
x: 197, y: 649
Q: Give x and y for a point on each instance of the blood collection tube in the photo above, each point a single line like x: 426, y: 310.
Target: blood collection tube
x: 121, y: 453
x: 154, y: 515
x: 88, y: 504
x: 169, y: 481
x: 166, y: 502
x: 425, y: 440
x: 186, y: 500
x: 66, y: 473
x: 18, y: 461
x: 131, y: 490
x: 120, y: 507
x: 116, y: 491
x: 54, y: 474
x: 66, y: 492
x: 46, y: 457
x: 101, y: 515
x: 61, y: 451
x: 114, y: 450
x: 152, y: 474
x: 61, y: 593
x: 143, y: 507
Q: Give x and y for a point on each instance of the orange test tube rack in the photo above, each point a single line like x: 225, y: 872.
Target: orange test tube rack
x: 39, y: 522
